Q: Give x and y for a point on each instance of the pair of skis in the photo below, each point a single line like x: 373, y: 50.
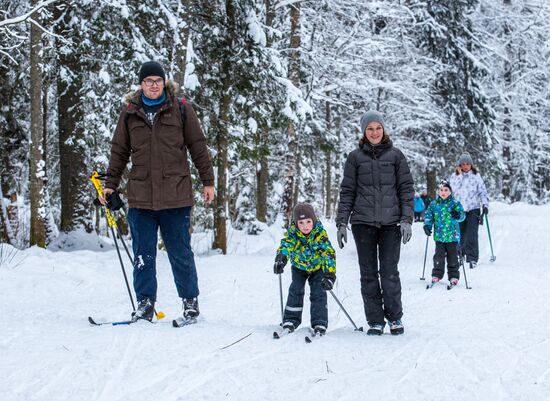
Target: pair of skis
x: 450, y: 286
x: 179, y: 322
x: 308, y: 338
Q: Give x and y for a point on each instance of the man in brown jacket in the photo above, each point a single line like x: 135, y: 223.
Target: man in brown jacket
x: 155, y: 131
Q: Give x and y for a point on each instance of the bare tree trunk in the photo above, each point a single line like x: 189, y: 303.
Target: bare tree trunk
x: 262, y: 176
x: 75, y: 198
x: 220, y: 213
x: 181, y: 50
x: 37, y: 165
x: 262, y: 182
x: 431, y: 182
x: 507, y: 120
x: 294, y: 75
x: 6, y: 233
x: 328, y: 165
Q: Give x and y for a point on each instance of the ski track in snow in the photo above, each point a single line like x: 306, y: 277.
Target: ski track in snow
x: 488, y: 343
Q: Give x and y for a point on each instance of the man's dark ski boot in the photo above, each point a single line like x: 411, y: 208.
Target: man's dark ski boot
x: 190, y: 308
x: 145, y: 310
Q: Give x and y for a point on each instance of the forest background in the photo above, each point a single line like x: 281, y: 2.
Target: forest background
x: 280, y: 86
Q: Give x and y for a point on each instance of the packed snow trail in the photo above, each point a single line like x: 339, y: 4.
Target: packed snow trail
x: 488, y: 343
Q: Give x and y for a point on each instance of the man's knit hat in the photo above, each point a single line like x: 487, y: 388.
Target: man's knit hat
x: 303, y: 211
x: 445, y: 183
x: 151, y: 68
x: 371, y: 116
x: 465, y: 158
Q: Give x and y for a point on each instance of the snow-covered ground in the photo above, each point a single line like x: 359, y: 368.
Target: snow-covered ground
x: 488, y: 343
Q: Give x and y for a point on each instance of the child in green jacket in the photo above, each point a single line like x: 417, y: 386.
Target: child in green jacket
x: 445, y: 214
x: 312, y: 257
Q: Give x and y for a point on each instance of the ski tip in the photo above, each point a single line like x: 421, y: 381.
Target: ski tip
x: 276, y: 335
x: 307, y: 340
x: 175, y: 323
x: 92, y: 321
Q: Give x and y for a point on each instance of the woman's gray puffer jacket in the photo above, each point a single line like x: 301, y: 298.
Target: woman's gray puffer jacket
x: 377, y: 188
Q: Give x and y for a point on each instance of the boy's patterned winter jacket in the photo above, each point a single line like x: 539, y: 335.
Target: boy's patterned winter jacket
x: 470, y: 190
x: 446, y: 229
x: 309, y: 252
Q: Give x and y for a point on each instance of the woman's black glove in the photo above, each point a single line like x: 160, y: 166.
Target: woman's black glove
x: 406, y: 232
x: 280, y: 263
x: 342, y: 235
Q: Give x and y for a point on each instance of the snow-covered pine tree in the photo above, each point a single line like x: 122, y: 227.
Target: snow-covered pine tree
x: 446, y: 34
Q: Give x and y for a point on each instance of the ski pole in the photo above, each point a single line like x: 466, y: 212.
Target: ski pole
x: 464, y: 270
x: 493, y: 257
x: 344, y: 310
x: 425, y: 254
x: 94, y: 177
x: 122, y: 266
x: 281, y: 297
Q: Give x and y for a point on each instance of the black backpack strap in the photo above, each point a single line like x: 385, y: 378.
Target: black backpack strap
x: 181, y: 103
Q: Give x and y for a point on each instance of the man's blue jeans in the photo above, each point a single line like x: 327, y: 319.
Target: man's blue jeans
x: 174, y: 228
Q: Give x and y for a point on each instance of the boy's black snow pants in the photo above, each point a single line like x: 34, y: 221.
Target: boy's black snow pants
x: 380, y: 285
x: 317, y: 298
x: 449, y: 251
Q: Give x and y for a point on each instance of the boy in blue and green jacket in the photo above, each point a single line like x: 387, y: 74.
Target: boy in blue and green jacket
x: 445, y: 214
x: 312, y: 257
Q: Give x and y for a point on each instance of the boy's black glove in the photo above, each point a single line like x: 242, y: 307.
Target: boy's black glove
x: 342, y: 235
x: 280, y: 263
x: 455, y: 214
x: 485, y: 209
x: 428, y: 230
x: 327, y: 282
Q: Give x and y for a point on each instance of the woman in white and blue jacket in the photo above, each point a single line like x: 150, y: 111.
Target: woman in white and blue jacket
x: 469, y: 189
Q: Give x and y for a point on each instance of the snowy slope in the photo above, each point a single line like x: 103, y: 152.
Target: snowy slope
x: 488, y: 343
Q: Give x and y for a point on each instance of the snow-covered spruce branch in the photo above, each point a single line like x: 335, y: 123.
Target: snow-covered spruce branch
x: 24, y: 17
x: 284, y: 3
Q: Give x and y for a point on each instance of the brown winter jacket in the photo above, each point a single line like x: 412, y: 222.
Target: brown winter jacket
x: 160, y: 176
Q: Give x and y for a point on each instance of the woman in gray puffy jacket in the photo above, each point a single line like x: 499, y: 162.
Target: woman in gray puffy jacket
x: 376, y: 196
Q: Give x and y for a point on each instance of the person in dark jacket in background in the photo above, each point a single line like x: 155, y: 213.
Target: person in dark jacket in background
x: 376, y: 196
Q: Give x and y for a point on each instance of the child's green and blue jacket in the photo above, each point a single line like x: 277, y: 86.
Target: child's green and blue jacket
x: 438, y: 214
x: 309, y: 252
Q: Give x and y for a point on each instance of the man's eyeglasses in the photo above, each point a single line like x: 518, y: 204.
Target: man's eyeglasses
x: 151, y: 82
